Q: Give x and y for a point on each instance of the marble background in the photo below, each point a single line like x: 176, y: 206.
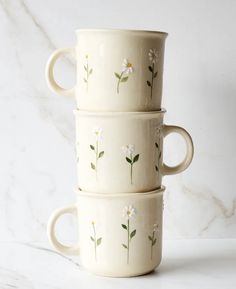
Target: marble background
x: 37, y: 155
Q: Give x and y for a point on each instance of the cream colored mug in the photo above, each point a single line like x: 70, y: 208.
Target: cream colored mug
x: 117, y: 70
x: 119, y: 235
x: 123, y: 152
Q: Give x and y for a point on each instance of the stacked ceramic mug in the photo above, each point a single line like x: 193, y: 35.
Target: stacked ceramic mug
x: 119, y: 142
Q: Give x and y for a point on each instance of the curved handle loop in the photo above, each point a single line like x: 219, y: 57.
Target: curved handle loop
x: 50, y: 75
x: 167, y: 170
x: 68, y: 250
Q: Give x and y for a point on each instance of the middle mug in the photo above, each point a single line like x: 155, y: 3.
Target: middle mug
x: 121, y: 152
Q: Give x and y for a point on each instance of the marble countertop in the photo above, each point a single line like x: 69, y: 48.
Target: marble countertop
x: 188, y: 264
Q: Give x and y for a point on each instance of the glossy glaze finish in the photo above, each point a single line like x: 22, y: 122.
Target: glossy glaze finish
x: 122, y: 152
x: 119, y: 235
x: 117, y: 70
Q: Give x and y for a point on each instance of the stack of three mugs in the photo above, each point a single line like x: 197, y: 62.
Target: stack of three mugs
x: 119, y: 142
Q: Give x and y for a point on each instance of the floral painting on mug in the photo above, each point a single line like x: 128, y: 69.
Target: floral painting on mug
x: 153, y: 57
x: 88, y: 72
x: 153, y: 239
x: 96, y: 241
x: 96, y: 149
x: 127, y: 68
x: 129, y: 213
x: 129, y: 150
x: 158, y: 148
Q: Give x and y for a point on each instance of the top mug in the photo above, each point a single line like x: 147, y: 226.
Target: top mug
x: 117, y: 70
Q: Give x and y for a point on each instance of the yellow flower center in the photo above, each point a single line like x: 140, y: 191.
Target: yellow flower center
x: 129, y: 65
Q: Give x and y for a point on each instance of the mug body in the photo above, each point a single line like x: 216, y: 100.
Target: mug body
x: 119, y: 70
x: 120, y: 235
x: 119, y: 152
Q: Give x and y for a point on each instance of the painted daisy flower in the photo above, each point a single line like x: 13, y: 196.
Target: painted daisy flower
x: 127, y: 67
x: 129, y: 212
x: 155, y: 228
x: 158, y: 131
x: 98, y: 132
x: 153, y: 55
x: 128, y: 150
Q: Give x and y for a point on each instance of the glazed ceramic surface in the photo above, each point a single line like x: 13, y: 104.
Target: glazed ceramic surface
x: 118, y: 235
x: 123, y: 152
x: 117, y: 70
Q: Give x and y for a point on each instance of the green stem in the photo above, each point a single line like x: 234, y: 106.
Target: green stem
x: 87, y: 74
x: 96, y: 162
x: 118, y: 83
x: 131, y: 174
x: 131, y: 170
x: 128, y: 242
x: 152, y: 244
x: 153, y: 67
x: 95, y: 242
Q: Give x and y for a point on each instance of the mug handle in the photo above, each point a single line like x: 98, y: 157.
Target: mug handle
x: 68, y: 250
x: 167, y: 170
x: 50, y: 68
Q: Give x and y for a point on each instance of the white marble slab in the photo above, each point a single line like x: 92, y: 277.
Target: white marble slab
x: 186, y: 264
x: 37, y: 152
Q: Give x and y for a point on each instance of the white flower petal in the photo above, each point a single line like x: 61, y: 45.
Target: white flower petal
x: 153, y: 55
x: 127, y: 67
x: 129, y: 212
x: 98, y: 132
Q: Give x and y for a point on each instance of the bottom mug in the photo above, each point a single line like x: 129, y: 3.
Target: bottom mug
x: 119, y: 235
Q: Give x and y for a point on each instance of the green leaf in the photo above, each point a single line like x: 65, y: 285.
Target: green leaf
x: 124, y: 226
x: 132, y: 234
x: 155, y: 75
x: 156, y: 168
x: 91, y: 71
x: 156, y: 144
x: 128, y: 160
x: 150, y: 68
x: 150, y: 238
x: 92, y: 147
x: 149, y: 83
x: 154, y: 242
x: 93, y: 166
x: 99, y: 241
x: 92, y: 238
x: 124, y: 79
x: 117, y: 75
x: 101, y: 154
x: 85, y: 68
x: 124, y: 246
x: 85, y: 80
x: 136, y: 158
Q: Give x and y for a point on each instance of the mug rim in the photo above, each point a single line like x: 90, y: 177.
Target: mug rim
x: 148, y: 114
x: 121, y: 31
x: 83, y: 193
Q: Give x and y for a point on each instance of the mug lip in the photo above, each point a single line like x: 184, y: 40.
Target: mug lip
x: 121, y: 31
x: 83, y: 193
x: 127, y: 114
